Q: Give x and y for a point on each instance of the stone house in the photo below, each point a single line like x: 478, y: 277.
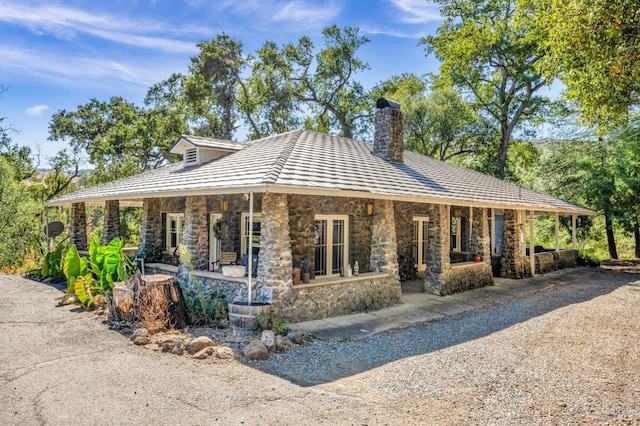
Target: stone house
x: 335, y: 201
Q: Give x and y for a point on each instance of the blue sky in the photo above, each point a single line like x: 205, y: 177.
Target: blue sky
x: 58, y: 54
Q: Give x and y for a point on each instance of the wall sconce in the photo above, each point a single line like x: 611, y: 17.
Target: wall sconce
x: 224, y: 205
x: 456, y: 213
x: 369, y: 209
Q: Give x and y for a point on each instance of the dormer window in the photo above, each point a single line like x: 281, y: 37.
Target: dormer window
x: 197, y: 150
x: 190, y: 157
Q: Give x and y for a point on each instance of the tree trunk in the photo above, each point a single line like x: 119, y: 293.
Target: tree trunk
x: 636, y: 235
x: 613, y: 252
x: 156, y: 301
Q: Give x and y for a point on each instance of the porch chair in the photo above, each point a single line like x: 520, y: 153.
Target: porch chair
x: 226, y: 258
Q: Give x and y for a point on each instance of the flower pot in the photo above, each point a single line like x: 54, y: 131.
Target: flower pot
x: 477, y: 258
x: 296, y: 276
x: 306, y: 277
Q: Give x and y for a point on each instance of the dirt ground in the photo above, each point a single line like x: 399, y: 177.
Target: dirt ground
x: 578, y: 363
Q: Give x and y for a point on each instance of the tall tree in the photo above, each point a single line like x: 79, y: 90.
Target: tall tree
x: 437, y: 123
x: 592, y: 45
x: 488, y: 55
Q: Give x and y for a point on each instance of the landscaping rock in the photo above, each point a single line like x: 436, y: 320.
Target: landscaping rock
x: 204, y: 353
x: 268, y: 338
x: 225, y: 352
x: 139, y: 332
x: 297, y: 337
x: 69, y: 299
x: 283, y: 343
x: 199, y: 343
x: 172, y: 344
x: 141, y: 340
x: 256, y: 350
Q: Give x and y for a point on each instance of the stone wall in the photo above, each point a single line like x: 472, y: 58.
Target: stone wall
x: 513, y: 263
x: 552, y: 260
x: 384, y: 248
x: 438, y: 260
x: 195, y: 232
x: 78, y: 226
x: 363, y: 295
x: 404, y: 214
x: 151, y: 234
x: 112, y: 228
x: 467, y: 277
x: 302, y: 210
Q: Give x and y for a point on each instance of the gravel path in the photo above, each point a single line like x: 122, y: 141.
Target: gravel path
x: 567, y: 356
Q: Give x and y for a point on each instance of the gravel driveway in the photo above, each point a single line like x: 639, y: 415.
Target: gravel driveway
x: 566, y: 356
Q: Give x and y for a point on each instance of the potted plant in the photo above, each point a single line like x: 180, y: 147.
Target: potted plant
x: 477, y: 258
x: 296, y: 275
x: 306, y: 270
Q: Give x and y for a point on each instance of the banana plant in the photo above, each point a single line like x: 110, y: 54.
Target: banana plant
x: 74, y: 267
x: 109, y: 263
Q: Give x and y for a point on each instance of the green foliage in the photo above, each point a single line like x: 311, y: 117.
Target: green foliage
x: 74, y: 267
x: 587, y: 259
x: 52, y: 266
x: 592, y: 45
x: 270, y: 322
x: 485, y: 52
x: 84, y: 291
x: 205, y: 307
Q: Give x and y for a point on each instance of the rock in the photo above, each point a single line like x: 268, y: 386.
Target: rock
x: 268, y: 338
x: 141, y: 340
x: 199, y: 343
x: 283, y: 343
x: 70, y: 299
x: 139, y: 332
x: 225, y: 352
x: 153, y: 347
x: 256, y: 350
x: 296, y: 337
x: 204, y: 353
x: 171, y: 344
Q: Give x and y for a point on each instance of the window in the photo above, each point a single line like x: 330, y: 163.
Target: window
x: 250, y: 231
x: 420, y: 241
x: 174, y: 230
x: 331, y: 247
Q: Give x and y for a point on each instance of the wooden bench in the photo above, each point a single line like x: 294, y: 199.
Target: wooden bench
x: 226, y: 258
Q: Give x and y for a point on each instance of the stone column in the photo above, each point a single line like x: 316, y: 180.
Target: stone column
x: 151, y: 226
x: 274, y: 283
x: 111, y: 221
x: 195, y: 232
x: 384, y: 246
x: 78, y: 227
x: 438, y: 257
x: 513, y: 264
x: 480, y: 234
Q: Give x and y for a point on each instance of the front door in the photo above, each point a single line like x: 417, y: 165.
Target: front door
x: 215, y: 245
x: 420, y: 241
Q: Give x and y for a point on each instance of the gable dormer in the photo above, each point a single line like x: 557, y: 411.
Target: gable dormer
x: 197, y: 150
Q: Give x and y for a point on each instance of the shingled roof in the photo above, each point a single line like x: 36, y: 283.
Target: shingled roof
x: 307, y: 162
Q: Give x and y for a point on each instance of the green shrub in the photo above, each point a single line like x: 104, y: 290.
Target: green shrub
x: 270, y: 322
x: 587, y: 259
x: 52, y: 266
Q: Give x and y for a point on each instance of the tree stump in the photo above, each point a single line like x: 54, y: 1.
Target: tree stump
x: 154, y: 300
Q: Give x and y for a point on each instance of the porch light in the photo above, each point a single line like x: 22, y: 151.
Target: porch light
x: 456, y: 213
x: 224, y: 205
x: 369, y: 209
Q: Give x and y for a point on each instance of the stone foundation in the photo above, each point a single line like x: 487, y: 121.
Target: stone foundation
x: 461, y: 278
x: 552, y: 260
x: 317, y: 301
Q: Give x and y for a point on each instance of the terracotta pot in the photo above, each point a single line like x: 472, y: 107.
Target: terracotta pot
x: 477, y: 258
x: 306, y: 277
x: 296, y: 276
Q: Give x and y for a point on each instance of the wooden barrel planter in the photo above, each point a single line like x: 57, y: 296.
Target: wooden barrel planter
x: 242, y: 316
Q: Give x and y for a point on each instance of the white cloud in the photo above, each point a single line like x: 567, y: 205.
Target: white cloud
x: 67, y: 23
x: 301, y: 12
x: 417, y: 11
x: 36, y: 110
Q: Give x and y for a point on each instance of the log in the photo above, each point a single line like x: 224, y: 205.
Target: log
x: 123, y: 302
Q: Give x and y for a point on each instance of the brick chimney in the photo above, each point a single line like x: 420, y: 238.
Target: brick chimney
x: 387, y: 142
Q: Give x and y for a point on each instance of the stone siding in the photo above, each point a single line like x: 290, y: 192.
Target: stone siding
x: 404, y: 214
x: 384, y: 248
x: 78, y: 228
x: 388, y: 138
x: 322, y: 301
x: 274, y: 281
x: 467, y: 277
x: 302, y: 211
x: 195, y: 232
x: 112, y: 227
x: 151, y: 227
x: 513, y: 263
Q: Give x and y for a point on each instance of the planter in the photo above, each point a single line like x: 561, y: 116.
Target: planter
x: 296, y: 276
x: 477, y: 258
x: 234, y: 271
x: 306, y: 277
x: 242, y: 316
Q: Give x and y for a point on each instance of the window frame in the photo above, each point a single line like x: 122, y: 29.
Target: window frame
x: 179, y: 217
x: 330, y: 218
